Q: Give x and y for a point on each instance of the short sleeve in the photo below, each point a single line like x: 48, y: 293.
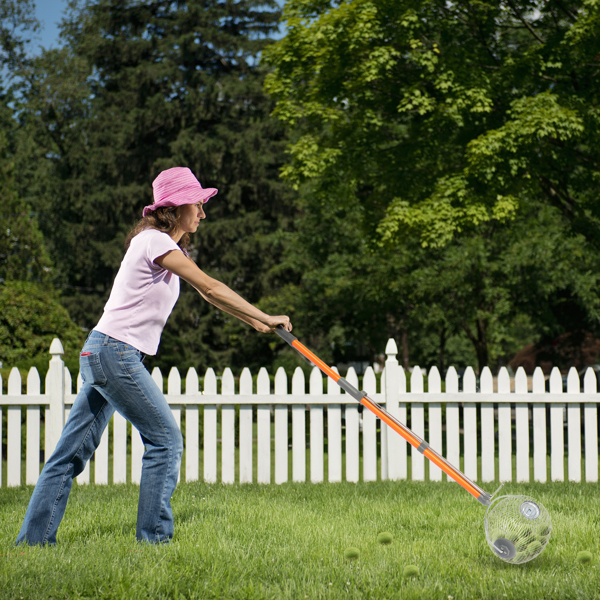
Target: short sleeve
x: 159, y: 243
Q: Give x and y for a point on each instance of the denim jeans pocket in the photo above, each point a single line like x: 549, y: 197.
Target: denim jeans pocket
x: 131, y: 361
x: 91, y: 369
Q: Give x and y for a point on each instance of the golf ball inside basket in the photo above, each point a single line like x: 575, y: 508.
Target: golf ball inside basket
x: 517, y: 528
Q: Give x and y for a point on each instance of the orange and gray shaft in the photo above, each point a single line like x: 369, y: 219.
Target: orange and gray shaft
x: 413, y: 439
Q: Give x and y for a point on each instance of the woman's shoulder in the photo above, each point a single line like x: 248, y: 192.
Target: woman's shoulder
x: 153, y: 243
x: 150, y: 234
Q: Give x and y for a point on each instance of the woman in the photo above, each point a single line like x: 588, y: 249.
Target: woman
x: 114, y: 378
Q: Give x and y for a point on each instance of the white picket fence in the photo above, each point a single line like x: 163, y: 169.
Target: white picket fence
x: 355, y: 449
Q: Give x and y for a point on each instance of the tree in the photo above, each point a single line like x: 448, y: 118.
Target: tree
x: 30, y: 318
x: 444, y: 115
x: 506, y: 285
x: 140, y: 86
x: 17, y: 23
x: 23, y: 256
x: 30, y: 312
x: 22, y: 253
x: 441, y: 129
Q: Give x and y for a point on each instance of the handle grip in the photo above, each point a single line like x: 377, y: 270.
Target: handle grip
x: 284, y: 334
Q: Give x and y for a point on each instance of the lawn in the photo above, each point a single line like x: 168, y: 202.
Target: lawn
x: 252, y: 541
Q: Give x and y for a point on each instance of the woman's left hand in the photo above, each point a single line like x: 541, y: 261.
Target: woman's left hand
x: 272, y: 323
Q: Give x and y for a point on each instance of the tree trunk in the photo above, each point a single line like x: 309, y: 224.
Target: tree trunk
x: 442, y: 355
x: 405, y: 362
x: 481, y: 345
x: 479, y: 342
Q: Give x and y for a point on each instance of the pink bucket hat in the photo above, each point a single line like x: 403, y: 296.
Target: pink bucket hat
x: 178, y: 186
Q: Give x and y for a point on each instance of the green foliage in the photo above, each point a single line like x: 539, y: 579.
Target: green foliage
x: 17, y: 22
x: 448, y: 115
x: 444, y: 158
x: 138, y: 88
x: 30, y: 318
x: 447, y: 159
x: 23, y: 256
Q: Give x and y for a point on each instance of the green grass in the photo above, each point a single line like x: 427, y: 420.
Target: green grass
x: 252, y: 541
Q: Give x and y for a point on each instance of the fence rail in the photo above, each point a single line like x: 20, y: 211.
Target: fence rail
x: 272, y: 436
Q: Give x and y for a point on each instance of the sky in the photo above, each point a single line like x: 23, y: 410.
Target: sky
x: 49, y: 13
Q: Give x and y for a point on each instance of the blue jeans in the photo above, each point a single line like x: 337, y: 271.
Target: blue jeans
x: 114, y: 379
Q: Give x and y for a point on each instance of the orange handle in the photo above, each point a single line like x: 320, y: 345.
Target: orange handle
x: 386, y: 417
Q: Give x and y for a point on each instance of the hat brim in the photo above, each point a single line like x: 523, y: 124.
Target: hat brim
x: 181, y: 198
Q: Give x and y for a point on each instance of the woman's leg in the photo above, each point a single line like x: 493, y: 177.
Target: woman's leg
x: 79, y: 439
x: 114, y: 379
x: 127, y: 385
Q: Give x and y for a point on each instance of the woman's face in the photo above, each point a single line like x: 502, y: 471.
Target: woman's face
x: 190, y: 217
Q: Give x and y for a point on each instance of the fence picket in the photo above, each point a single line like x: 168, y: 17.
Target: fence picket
x: 369, y: 430
x: 32, y: 443
x: 13, y: 432
x: 557, y: 432
x: 56, y: 385
x: 590, y: 386
x: 389, y: 387
x: 522, y: 428
x: 573, y: 428
x: 192, y: 434
x: 228, y: 430
x: 210, y: 429
x: 401, y: 444
x: 174, y: 388
x: 504, y: 428
x: 263, y: 428
x: 245, y: 441
x: 470, y: 425
x: 352, y: 433
x: 452, y: 421
x: 298, y: 429
x: 383, y: 432
x: 540, y: 461
x: 334, y: 433
x: 281, y: 428
x: 316, y: 428
x: 417, y: 420
x: 435, y: 422
x: 488, y: 446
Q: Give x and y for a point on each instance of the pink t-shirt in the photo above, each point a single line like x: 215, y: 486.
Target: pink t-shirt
x: 143, y: 293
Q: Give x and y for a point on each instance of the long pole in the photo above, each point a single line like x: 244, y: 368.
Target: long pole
x: 412, y: 438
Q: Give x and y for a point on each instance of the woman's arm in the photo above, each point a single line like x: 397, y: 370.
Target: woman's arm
x: 219, y: 294
x: 256, y: 324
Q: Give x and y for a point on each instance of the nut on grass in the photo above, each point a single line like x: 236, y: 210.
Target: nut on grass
x: 584, y: 557
x: 351, y: 553
x: 385, y: 538
x: 411, y: 571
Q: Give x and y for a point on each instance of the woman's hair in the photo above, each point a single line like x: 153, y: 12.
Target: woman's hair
x: 166, y: 219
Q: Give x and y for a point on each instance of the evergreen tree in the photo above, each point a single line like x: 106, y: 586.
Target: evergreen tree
x: 31, y: 315
x: 141, y: 86
x: 23, y: 256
